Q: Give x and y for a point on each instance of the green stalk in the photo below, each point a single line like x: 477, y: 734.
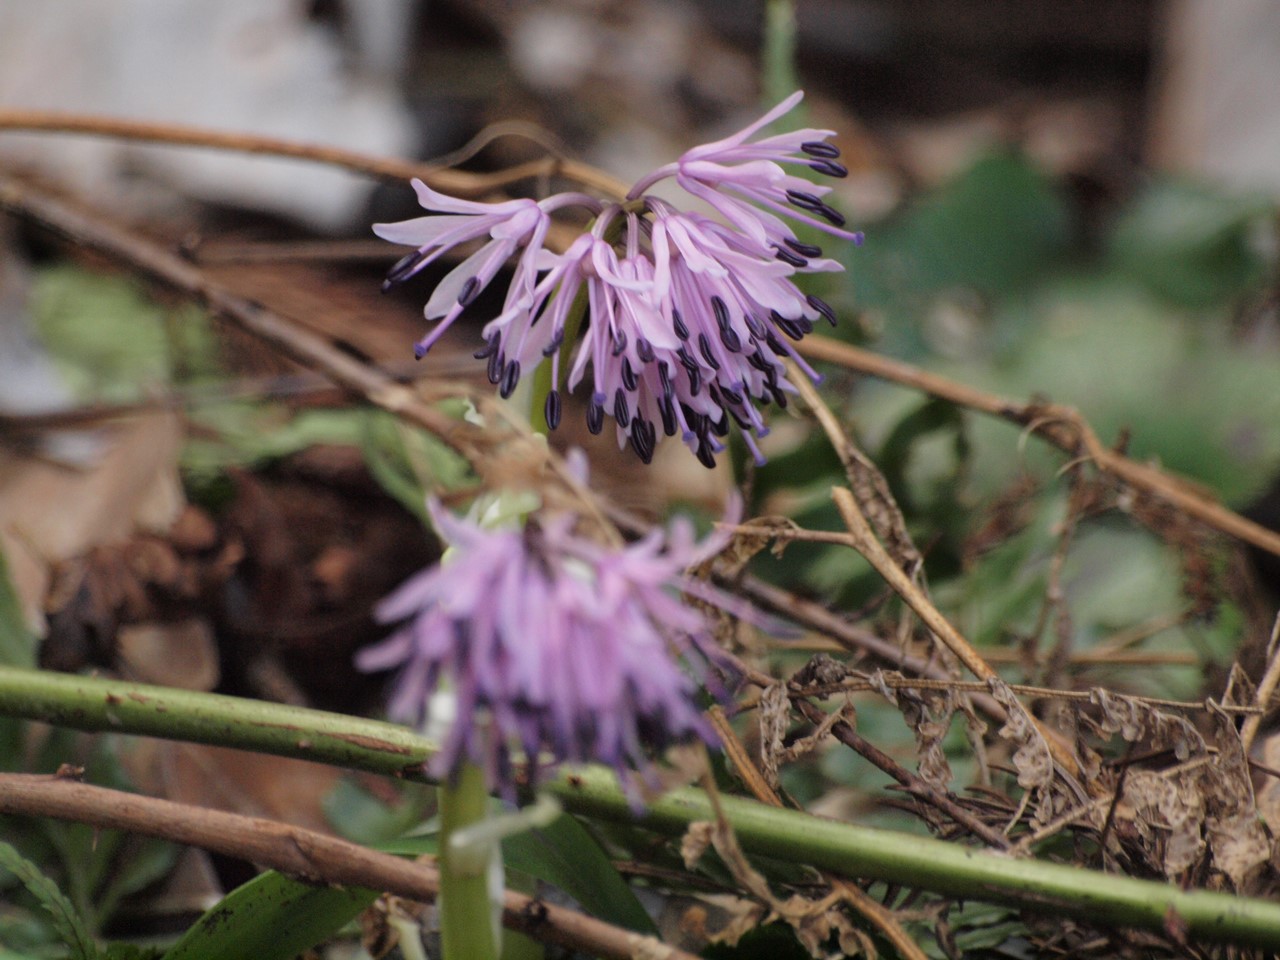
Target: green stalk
x: 779, y: 54
x: 844, y: 849
x: 466, y: 914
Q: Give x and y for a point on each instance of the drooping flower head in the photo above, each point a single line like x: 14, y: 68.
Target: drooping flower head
x: 552, y: 645
x: 689, y: 318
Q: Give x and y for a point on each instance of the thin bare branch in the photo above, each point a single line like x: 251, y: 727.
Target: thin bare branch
x: 1062, y: 426
x: 442, y: 178
x: 305, y: 854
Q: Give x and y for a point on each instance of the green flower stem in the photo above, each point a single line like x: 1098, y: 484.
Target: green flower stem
x: 779, y: 53
x: 843, y: 849
x: 466, y: 914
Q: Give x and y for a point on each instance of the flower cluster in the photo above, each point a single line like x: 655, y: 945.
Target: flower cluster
x: 553, y: 645
x: 690, y: 316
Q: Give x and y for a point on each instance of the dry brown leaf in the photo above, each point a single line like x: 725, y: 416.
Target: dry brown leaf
x: 50, y: 513
x: 1268, y: 798
x: 1032, y: 758
x: 694, y: 843
x: 1237, y: 839
x: 1168, y: 809
x: 928, y: 713
x: 1137, y: 721
x: 774, y: 711
x: 182, y: 654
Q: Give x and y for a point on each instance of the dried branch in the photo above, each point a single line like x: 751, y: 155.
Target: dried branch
x: 918, y: 787
x: 457, y: 182
x: 297, y: 343
x: 1267, y: 687
x: 305, y: 854
x: 1061, y: 426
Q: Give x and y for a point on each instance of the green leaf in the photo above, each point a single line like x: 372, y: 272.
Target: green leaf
x: 566, y: 855
x: 407, y: 461
x: 1190, y: 243
x: 17, y: 643
x: 996, y: 229
x: 68, y: 924
x: 272, y: 917
x: 361, y: 817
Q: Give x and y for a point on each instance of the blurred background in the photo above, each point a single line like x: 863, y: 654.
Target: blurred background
x: 1075, y: 200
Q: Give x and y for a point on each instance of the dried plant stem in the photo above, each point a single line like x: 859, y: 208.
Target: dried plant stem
x: 1266, y: 688
x: 304, y: 854
x: 1062, y: 426
x: 456, y: 182
x: 844, y: 849
x: 844, y: 890
x: 290, y: 338
x: 865, y: 542
x: 855, y: 638
x: 918, y: 787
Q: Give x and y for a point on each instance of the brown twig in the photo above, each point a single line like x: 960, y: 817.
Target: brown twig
x: 1062, y: 426
x: 842, y: 889
x: 1266, y: 687
x: 291, y: 339
x: 855, y: 683
x: 852, y: 637
x: 458, y: 182
x: 915, y: 785
x: 865, y: 542
x: 305, y: 854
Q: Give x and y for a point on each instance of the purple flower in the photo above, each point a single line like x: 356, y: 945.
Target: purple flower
x: 510, y: 225
x: 689, y: 318
x: 553, y: 645
x: 737, y: 177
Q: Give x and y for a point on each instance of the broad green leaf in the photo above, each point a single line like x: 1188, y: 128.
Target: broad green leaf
x: 272, y: 917
x: 363, y: 818
x: 995, y: 230
x: 566, y: 855
x: 68, y: 924
x: 17, y: 643
x: 1190, y: 243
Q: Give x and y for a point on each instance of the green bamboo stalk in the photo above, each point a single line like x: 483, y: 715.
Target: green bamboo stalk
x: 845, y: 849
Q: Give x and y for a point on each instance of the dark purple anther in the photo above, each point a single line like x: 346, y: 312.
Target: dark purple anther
x: 829, y: 167
x: 820, y: 148
x: 595, y: 413
x: 704, y: 346
x: 403, y: 269
x: 510, y: 377
x: 678, y: 323
x: 551, y: 410
x: 787, y: 257
x: 470, y: 290
x: 812, y: 251
x: 822, y: 307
